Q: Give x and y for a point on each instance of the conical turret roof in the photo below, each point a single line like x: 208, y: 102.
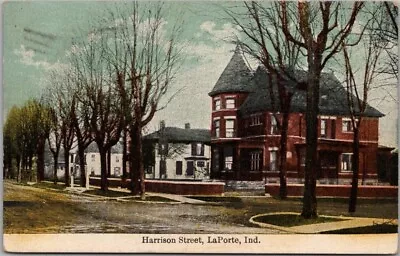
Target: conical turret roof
x: 236, y: 77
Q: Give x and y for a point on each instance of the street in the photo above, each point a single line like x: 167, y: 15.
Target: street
x: 33, y: 210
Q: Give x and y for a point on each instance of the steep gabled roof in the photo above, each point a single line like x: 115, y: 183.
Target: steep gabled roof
x: 180, y: 135
x: 236, y: 77
x: 333, y: 96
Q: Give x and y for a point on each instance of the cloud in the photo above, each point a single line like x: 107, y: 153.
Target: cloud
x: 226, y: 32
x: 27, y: 57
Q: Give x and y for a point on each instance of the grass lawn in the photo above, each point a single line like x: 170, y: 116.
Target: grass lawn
x: 58, y: 186
x: 291, y: 220
x: 109, y: 193
x: 375, y: 229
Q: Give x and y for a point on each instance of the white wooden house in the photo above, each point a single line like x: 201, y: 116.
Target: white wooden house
x: 179, y: 154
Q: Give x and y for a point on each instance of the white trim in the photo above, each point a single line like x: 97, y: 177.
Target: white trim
x: 346, y: 119
x: 230, y: 96
x: 225, y: 110
x: 216, y: 118
x: 273, y: 148
x: 327, y: 117
x: 229, y: 117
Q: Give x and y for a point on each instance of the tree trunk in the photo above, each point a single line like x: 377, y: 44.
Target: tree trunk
x: 55, y: 179
x: 282, y: 154
x: 136, y: 159
x: 109, y: 163
x: 124, y: 156
x: 30, y: 162
x: 82, y: 167
x: 19, y: 167
x: 103, y: 164
x: 66, y: 173
x: 355, y: 167
x: 40, y: 161
x: 310, y: 199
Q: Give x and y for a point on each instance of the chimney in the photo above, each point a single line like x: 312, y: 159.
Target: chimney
x: 162, y: 125
x: 187, y: 126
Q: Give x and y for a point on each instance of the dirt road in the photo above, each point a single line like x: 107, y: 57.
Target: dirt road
x: 33, y: 210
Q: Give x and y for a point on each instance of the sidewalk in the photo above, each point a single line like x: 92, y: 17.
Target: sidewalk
x: 178, y: 198
x: 354, y: 222
x: 347, y: 222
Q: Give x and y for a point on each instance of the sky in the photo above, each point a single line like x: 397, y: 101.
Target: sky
x: 37, y: 36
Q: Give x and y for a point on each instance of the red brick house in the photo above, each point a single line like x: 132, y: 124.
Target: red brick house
x: 245, y: 138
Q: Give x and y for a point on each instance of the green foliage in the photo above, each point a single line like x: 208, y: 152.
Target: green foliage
x: 24, y: 129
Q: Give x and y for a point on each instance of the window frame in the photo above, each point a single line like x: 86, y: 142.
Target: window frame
x: 350, y: 163
x: 255, y: 120
x: 230, y: 130
x: 255, y: 161
x: 273, y: 164
x: 217, y: 106
x: 273, y: 125
x: 230, y: 105
x: 176, y: 168
x: 217, y: 128
x: 349, y: 126
x: 325, y: 126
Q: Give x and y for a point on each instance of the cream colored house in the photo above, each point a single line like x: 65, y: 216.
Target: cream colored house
x: 180, y: 154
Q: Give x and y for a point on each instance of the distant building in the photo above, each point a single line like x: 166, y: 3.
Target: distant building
x: 245, y: 135
x: 92, y: 158
x: 49, y: 164
x: 177, y: 153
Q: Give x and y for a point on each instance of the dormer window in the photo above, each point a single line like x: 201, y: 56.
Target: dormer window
x: 230, y: 103
x: 217, y: 104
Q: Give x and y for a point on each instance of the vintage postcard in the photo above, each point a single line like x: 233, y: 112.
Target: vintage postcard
x: 200, y: 127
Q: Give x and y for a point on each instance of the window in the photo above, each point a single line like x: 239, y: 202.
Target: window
x: 190, y: 168
x: 273, y: 160
x: 116, y: 159
x: 323, y: 127
x: 346, y: 162
x: 178, y: 167
x: 274, y: 125
x: 93, y: 157
x: 200, y: 164
x: 217, y: 104
x: 197, y: 149
x: 255, y: 158
x: 228, y: 162
x: 117, y: 171
x: 346, y: 125
x: 255, y: 120
x: 72, y: 158
x: 228, y: 157
x: 229, y: 128
x: 215, y: 162
x: 302, y: 157
x: 230, y: 103
x: 217, y: 129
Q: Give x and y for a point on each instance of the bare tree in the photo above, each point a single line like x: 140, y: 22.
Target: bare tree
x: 265, y: 41
x: 97, y: 91
x: 385, y: 32
x: 144, y: 61
x: 324, y: 28
x: 357, y: 98
x: 319, y: 30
